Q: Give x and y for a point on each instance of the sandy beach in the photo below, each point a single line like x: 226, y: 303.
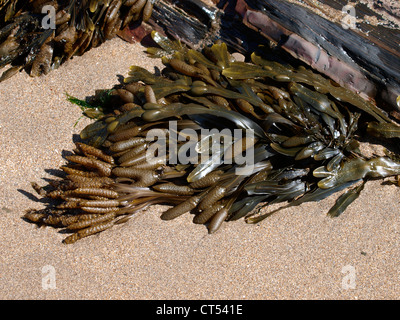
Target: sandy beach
x: 298, y: 253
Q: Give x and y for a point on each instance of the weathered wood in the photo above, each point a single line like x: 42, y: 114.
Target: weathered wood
x: 375, y: 54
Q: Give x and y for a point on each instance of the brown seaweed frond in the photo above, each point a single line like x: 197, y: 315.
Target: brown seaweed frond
x: 171, y: 139
x: 39, y: 36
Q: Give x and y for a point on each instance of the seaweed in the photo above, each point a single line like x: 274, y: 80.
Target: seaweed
x: 280, y: 135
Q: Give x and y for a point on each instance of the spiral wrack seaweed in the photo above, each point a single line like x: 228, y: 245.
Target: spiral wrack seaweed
x: 216, y: 138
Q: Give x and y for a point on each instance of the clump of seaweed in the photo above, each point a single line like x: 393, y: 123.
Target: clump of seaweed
x: 39, y: 35
x: 299, y: 129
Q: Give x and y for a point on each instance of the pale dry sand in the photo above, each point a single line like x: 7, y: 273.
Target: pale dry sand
x: 298, y: 253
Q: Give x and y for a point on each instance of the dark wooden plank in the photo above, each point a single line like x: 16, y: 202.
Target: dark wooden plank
x: 376, y: 55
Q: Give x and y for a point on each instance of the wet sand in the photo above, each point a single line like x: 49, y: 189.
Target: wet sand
x: 298, y: 253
